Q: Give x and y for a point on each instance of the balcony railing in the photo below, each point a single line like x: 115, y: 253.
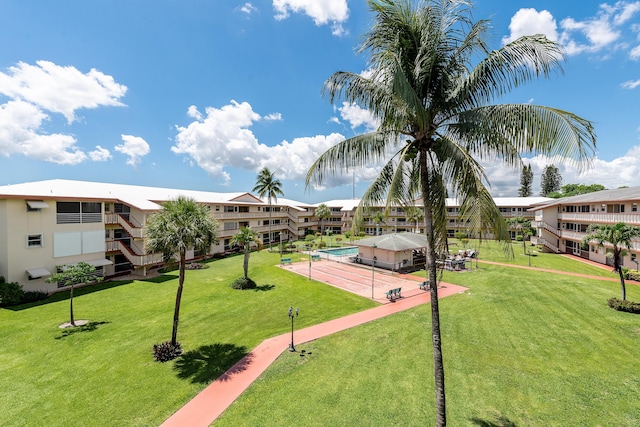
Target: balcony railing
x: 138, y: 260
x: 135, y: 232
x: 601, y: 218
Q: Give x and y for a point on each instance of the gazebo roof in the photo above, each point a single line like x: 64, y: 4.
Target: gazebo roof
x: 395, y: 242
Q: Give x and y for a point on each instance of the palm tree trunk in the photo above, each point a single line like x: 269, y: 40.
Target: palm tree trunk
x: 438, y: 365
x: 270, y: 209
x: 617, y: 267
x: 176, y: 312
x: 245, y: 266
x: 71, y: 319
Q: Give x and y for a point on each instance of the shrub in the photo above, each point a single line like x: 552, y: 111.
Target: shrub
x: 33, y: 296
x: 623, y: 305
x: 633, y: 275
x: 322, y: 245
x: 519, y: 238
x: 10, y: 293
x: 460, y: 235
x: 243, y: 283
x: 361, y: 234
x: 310, y: 238
x: 347, y: 234
x: 166, y: 351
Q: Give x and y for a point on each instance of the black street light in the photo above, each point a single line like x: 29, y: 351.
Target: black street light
x: 280, y: 235
x: 292, y: 316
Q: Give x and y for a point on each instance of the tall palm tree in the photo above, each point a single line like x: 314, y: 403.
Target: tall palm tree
x: 437, y: 121
x: 180, y: 225
x: 322, y: 213
x: 244, y: 238
x: 619, y: 236
x: 268, y: 185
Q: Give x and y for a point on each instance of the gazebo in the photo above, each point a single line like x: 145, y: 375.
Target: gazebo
x: 397, y: 251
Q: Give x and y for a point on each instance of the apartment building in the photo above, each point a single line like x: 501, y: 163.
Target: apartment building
x: 562, y: 223
x: 47, y: 224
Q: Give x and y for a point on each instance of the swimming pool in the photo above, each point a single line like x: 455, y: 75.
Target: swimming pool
x: 351, y: 250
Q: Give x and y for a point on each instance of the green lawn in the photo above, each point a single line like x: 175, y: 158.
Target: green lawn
x: 521, y: 348
x: 104, y: 373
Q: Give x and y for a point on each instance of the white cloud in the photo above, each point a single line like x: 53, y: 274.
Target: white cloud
x: 34, y: 91
x: 222, y: 138
x: 60, y: 89
x: 273, y: 117
x: 100, y: 154
x: 322, y: 12
x: 358, y: 116
x: 19, y: 123
x: 608, y: 28
x: 612, y: 174
x: 248, y: 8
x: 635, y: 53
x: 134, y: 147
x: 527, y: 22
x: 631, y: 84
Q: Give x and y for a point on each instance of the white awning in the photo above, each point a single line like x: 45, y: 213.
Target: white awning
x: 36, y: 273
x: 99, y: 262
x: 37, y: 204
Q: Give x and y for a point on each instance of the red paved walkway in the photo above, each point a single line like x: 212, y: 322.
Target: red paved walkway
x: 203, y: 409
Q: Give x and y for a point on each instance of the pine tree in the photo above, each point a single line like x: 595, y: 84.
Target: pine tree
x: 526, y: 182
x: 551, y: 180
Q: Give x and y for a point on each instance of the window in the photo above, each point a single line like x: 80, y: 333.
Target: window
x: 34, y: 241
x: 230, y: 209
x: 634, y: 207
x: 230, y: 225
x: 78, y: 213
x: 243, y: 209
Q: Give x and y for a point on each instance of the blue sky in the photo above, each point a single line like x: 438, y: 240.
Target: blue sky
x: 201, y: 94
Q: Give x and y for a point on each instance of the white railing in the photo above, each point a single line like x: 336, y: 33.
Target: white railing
x: 135, y: 232
x: 139, y: 260
x: 601, y: 218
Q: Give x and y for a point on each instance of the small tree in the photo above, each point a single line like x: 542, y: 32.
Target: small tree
x: 378, y: 219
x: 245, y: 238
x: 526, y: 182
x: 268, y: 185
x: 523, y: 228
x: 72, y: 275
x: 551, y: 180
x: 414, y: 215
x: 619, y: 236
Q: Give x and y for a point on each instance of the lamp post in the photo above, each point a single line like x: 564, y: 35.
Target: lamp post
x: 280, y: 236
x: 292, y: 316
x: 373, y: 267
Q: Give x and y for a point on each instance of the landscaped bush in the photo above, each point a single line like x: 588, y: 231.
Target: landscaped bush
x: 10, y: 293
x: 633, y: 275
x: 519, y: 238
x: 243, y: 283
x: 195, y: 266
x: 166, y: 351
x: 347, y: 234
x: 33, y: 296
x: 322, y: 245
x: 623, y: 305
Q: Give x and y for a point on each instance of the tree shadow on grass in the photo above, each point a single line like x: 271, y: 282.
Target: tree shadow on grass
x: 265, y: 287
x: 161, y: 279
x: 498, y: 421
x: 89, y: 327
x: 212, y: 361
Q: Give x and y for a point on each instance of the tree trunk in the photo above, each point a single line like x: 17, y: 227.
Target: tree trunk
x: 617, y: 267
x: 270, y: 209
x: 438, y: 364
x: 245, y: 265
x: 71, y: 319
x: 176, y: 312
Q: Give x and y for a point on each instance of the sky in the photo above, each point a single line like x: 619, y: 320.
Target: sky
x: 201, y: 95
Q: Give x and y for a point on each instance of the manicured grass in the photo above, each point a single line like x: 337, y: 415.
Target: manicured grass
x: 104, y: 373
x: 521, y: 348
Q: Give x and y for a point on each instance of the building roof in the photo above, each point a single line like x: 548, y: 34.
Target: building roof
x: 395, y: 242
x: 144, y: 198
x: 603, y: 196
